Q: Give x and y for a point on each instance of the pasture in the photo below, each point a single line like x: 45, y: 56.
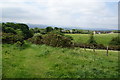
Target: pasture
x: 41, y: 61
x: 100, y: 38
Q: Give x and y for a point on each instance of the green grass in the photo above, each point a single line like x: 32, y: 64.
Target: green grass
x: 100, y: 38
x: 41, y: 61
x: 0, y: 61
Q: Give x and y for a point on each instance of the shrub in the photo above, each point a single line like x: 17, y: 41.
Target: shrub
x: 49, y: 29
x: 36, y: 39
x: 11, y: 38
x: 18, y: 44
x: 69, y: 37
x: 92, y: 40
x: 57, y: 40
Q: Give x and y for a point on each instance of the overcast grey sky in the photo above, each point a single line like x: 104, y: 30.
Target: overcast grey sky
x: 78, y: 13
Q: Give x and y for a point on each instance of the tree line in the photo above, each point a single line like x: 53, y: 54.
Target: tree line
x: 18, y: 32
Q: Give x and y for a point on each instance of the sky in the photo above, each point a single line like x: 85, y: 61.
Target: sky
x: 67, y: 13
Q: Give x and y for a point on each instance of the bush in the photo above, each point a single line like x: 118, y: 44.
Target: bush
x: 18, y: 44
x: 10, y: 38
x: 92, y: 40
x: 57, y: 40
x: 36, y: 39
x: 52, y: 39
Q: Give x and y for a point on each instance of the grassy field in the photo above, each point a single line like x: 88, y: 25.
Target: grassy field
x: 41, y: 61
x: 100, y: 38
x: 0, y: 61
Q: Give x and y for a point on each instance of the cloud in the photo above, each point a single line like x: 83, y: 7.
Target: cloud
x: 62, y: 13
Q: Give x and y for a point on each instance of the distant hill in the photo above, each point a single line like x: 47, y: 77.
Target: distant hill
x: 67, y: 27
x: 37, y: 25
x: 44, y: 26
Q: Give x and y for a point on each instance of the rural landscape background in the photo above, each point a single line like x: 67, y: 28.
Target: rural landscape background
x: 67, y: 39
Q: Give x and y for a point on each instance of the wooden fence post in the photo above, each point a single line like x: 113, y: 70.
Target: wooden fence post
x: 107, y: 51
x: 93, y: 48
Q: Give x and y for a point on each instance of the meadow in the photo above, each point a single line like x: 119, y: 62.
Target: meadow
x: 41, y: 61
x: 100, y: 38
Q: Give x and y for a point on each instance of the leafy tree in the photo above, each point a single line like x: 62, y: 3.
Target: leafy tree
x: 32, y: 31
x: 10, y: 24
x: 9, y: 30
x: 19, y: 32
x: 25, y: 29
x: 74, y: 30
x: 42, y: 31
x: 13, y: 27
x: 92, y: 40
x: 56, y: 32
x: 56, y: 28
x: 49, y: 29
x: 36, y: 30
x: 61, y: 29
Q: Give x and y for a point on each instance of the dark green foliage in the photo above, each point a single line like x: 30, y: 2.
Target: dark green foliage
x: 69, y: 37
x: 74, y: 31
x: 18, y: 44
x: 61, y: 29
x: 36, y: 30
x: 36, y: 39
x: 56, y: 28
x: 57, y: 32
x: 11, y: 38
x: 116, y: 31
x: 92, y: 40
x: 25, y: 29
x: 13, y: 27
x: 115, y: 41
x: 49, y: 29
x: 57, y: 40
x: 9, y: 30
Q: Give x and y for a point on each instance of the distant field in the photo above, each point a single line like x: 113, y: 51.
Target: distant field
x: 100, y: 38
x: 41, y: 61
